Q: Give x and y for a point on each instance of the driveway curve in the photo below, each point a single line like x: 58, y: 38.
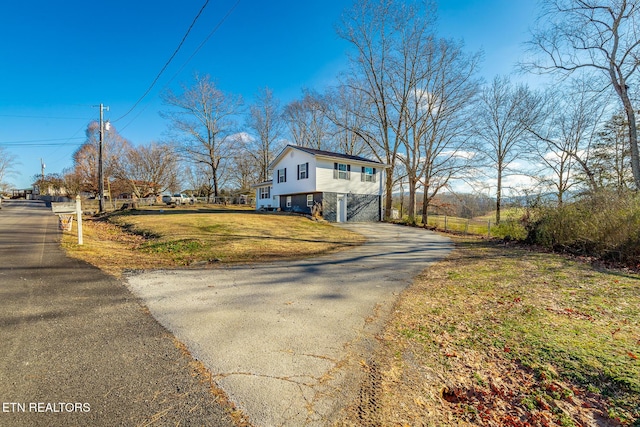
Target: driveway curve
x: 284, y: 339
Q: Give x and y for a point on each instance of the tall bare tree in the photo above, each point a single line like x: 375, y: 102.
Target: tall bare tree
x: 203, y: 124
x: 375, y: 30
x: 505, y: 114
x: 445, y: 129
x: 267, y: 125
x: 434, y: 89
x: 602, y: 36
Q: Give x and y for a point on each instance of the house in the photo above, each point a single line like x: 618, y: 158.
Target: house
x: 341, y: 187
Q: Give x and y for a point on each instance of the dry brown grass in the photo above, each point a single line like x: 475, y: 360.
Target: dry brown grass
x: 180, y: 237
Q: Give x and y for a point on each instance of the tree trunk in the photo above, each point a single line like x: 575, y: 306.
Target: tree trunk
x: 412, y: 201
x: 214, y: 176
x: 499, y: 193
x: 633, y: 138
x: 425, y: 206
x: 388, y: 200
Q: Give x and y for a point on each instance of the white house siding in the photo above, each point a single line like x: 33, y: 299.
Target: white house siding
x: 293, y: 185
x: 326, y: 182
x: 265, y: 203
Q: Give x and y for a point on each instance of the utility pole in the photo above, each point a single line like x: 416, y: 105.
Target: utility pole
x: 41, y: 186
x: 100, y: 160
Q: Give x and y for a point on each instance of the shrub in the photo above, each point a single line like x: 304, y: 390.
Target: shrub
x: 510, y: 229
x: 605, y: 225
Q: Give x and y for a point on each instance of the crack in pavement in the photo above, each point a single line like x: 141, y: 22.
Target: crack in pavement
x: 291, y: 363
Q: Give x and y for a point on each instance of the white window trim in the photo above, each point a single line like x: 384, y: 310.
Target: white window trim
x: 342, y: 171
x: 309, y: 200
x: 265, y: 194
x: 368, y: 177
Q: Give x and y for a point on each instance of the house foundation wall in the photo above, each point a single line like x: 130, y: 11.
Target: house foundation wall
x: 360, y: 207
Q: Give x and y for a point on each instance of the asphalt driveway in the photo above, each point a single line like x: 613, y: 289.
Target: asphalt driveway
x: 284, y: 340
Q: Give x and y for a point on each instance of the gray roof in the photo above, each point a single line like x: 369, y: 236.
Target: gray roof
x: 333, y: 154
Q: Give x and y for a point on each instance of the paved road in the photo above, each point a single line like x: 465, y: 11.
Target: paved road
x: 284, y: 340
x: 77, y: 348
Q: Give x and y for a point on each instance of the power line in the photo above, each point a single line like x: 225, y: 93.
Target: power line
x: 166, y: 64
x: 224, y: 18
x: 215, y: 29
x: 41, y: 142
x: 42, y: 117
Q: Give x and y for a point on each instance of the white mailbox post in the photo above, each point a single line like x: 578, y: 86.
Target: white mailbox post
x: 65, y: 212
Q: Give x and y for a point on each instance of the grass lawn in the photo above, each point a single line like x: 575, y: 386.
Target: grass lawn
x: 500, y: 335
x: 177, y: 237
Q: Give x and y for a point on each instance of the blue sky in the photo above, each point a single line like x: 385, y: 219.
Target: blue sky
x: 61, y: 59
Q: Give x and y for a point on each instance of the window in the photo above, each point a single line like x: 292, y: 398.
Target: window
x: 341, y: 171
x: 282, y: 175
x: 309, y: 200
x: 303, y: 171
x: 368, y: 174
x: 288, y: 201
x: 265, y: 192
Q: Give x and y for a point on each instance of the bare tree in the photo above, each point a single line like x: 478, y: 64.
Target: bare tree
x: 72, y: 182
x: 85, y: 158
x: 598, y: 35
x: 344, y: 108
x: 308, y: 122
x: 266, y: 122
x: 196, y: 176
x: 447, y: 126
x: 245, y: 169
x: 375, y: 29
x: 7, y: 167
x: 149, y: 169
x: 203, y: 124
x: 51, y: 184
x: 572, y: 118
x: 505, y: 114
x: 435, y: 92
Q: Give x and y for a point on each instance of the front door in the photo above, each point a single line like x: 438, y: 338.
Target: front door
x: 341, y: 215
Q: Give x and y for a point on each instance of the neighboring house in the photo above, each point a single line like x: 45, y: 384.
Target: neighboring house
x: 341, y: 187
